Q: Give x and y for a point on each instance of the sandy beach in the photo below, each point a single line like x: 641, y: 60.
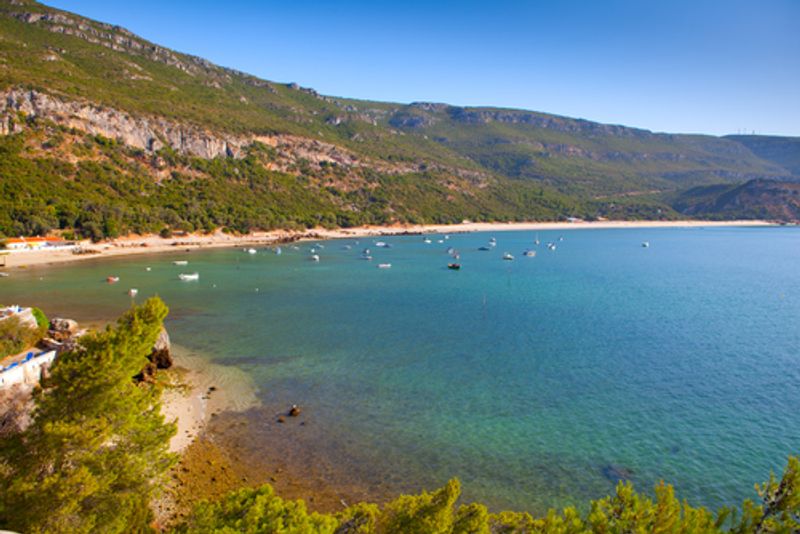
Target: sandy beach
x: 204, y: 390
x: 150, y: 244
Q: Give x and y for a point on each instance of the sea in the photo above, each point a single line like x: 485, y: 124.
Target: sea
x: 539, y: 382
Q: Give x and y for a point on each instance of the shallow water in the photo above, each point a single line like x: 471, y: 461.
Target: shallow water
x: 539, y: 381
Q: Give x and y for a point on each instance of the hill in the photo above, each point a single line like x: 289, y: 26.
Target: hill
x: 105, y: 132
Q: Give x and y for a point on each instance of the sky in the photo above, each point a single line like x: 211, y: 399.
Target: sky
x: 693, y: 66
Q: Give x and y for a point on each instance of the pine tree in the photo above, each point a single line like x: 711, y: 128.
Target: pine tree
x: 98, y: 444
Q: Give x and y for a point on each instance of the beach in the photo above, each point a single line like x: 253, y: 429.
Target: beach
x: 150, y: 244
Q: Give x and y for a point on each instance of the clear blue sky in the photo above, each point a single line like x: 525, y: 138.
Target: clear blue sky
x: 670, y: 65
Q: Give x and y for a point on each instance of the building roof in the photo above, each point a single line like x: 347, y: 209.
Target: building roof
x: 32, y: 239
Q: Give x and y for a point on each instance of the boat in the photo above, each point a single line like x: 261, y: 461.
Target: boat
x: 536, y: 241
x: 384, y: 266
x: 380, y: 244
x: 315, y: 257
x: 561, y: 238
x: 3, y: 275
x: 530, y: 253
x: 278, y: 251
x: 427, y: 241
x: 365, y: 252
x: 366, y: 257
x: 133, y: 292
x: 180, y: 262
x: 484, y: 249
x: 190, y: 277
x: 508, y: 256
x: 251, y: 251
x: 112, y: 279
x: 451, y: 250
x: 147, y: 269
x: 492, y: 240
x: 346, y: 247
x: 551, y: 246
x: 454, y: 266
x: 646, y: 244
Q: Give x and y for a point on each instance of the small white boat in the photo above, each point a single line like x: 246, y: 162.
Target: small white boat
x: 427, y: 241
x: 346, y: 247
x: 530, y: 253
x: 315, y: 257
x: 3, y: 275
x: 278, y: 251
x: 366, y: 257
x: 190, y: 277
x: 180, y: 262
x: 492, y: 240
x: 508, y: 256
x: 251, y: 251
x: 313, y: 250
x: 380, y: 244
x: 446, y: 237
x: 551, y: 246
x: 365, y: 251
x: 536, y: 241
x: 147, y: 269
x: 440, y: 241
x: 133, y: 292
x: 384, y: 266
x: 560, y: 238
x: 646, y: 244
x: 295, y: 247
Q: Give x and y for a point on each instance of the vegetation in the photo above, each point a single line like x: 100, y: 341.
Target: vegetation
x: 261, y: 511
x: 108, y: 189
x: 94, y: 454
x: 16, y: 336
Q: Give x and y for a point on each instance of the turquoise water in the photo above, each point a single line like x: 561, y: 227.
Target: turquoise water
x: 537, y: 381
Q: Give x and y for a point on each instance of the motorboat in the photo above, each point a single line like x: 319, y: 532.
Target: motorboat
x: 529, y: 253
x: 384, y: 266
x: 133, y: 292
x: 180, y: 262
x: 508, y: 256
x: 112, y: 279
x: 454, y: 266
x: 189, y: 277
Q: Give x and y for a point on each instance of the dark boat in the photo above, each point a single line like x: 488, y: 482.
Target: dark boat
x: 454, y: 266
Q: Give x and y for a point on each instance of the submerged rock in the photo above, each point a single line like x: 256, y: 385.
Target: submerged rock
x: 616, y: 473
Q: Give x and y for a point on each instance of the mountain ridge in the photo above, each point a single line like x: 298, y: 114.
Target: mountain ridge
x: 69, y: 72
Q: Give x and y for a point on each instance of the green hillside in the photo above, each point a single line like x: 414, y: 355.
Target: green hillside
x: 108, y: 133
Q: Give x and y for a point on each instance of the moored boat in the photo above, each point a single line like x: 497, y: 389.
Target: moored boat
x: 189, y: 277
x: 112, y: 279
x: 384, y: 266
x: 133, y: 292
x: 180, y: 262
x: 454, y: 266
x: 508, y: 256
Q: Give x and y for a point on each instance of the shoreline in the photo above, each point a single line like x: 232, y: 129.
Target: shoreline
x: 153, y: 244
x: 200, y: 390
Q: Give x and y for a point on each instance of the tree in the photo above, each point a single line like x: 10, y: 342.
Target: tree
x: 98, y: 445
x: 259, y: 510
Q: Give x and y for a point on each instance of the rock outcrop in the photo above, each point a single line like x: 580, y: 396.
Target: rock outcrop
x: 160, y: 358
x: 146, y: 133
